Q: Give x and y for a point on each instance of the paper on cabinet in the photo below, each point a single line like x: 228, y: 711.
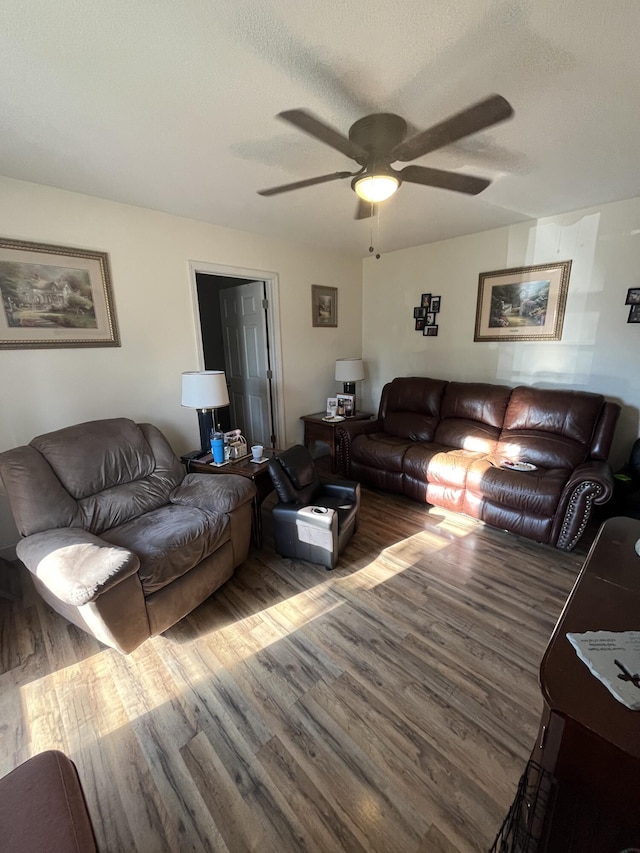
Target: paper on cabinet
x: 599, y: 650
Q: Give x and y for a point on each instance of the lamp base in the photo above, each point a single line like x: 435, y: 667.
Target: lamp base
x: 205, y: 422
x: 348, y: 387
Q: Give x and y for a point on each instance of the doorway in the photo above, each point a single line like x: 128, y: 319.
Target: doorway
x: 239, y: 334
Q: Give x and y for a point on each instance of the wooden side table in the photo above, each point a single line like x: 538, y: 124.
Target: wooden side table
x: 256, y: 471
x: 316, y: 429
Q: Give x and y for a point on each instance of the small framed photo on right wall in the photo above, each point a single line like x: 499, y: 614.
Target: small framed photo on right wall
x: 430, y: 331
x: 633, y: 297
x: 634, y: 314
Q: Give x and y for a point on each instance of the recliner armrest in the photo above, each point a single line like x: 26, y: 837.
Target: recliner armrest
x: 75, y: 565
x: 348, y: 490
x: 220, y: 493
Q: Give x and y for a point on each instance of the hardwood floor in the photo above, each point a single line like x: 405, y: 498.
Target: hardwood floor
x: 389, y: 705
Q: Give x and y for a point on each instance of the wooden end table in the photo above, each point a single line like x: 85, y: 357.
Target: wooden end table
x: 315, y: 429
x: 256, y: 471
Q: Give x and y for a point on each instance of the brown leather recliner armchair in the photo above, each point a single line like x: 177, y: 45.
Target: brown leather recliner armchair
x: 118, y: 540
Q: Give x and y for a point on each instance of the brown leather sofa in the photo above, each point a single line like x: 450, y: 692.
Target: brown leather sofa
x: 116, y: 537
x: 444, y: 443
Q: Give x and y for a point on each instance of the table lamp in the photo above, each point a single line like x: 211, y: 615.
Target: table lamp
x: 206, y: 391
x: 349, y: 371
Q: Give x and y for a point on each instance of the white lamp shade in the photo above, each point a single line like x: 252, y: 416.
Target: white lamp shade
x: 204, y: 389
x: 349, y: 370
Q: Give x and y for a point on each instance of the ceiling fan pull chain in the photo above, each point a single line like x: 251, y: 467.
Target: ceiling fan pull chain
x: 371, y: 249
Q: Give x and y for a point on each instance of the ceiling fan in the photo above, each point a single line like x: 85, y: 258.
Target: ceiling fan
x: 378, y: 140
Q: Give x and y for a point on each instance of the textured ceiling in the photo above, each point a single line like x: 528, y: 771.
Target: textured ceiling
x: 171, y: 105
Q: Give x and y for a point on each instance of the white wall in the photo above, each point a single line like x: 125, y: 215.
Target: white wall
x: 43, y: 390
x: 599, y: 350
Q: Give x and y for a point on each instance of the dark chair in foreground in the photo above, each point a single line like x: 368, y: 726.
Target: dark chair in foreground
x: 43, y: 809
x: 118, y: 540
x: 314, y: 519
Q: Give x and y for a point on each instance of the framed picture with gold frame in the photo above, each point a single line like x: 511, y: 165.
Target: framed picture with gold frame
x: 522, y: 304
x: 55, y: 296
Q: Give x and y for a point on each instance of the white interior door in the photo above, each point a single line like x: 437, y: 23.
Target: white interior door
x: 245, y: 348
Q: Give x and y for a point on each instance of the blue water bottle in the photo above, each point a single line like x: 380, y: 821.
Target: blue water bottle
x: 217, y: 445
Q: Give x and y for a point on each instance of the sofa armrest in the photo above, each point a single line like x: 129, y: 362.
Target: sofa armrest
x: 75, y: 565
x: 592, y: 482
x: 596, y: 472
x: 345, y: 433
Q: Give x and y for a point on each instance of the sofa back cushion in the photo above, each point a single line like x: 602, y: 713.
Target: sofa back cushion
x: 95, y: 475
x: 471, y: 415
x: 91, y: 457
x: 410, y: 407
x: 551, y: 428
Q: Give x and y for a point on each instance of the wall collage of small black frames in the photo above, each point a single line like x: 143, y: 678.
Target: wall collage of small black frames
x: 426, y: 315
x: 633, y: 299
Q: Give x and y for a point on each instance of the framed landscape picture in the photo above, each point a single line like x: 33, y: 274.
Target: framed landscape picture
x: 523, y: 304
x: 324, y: 305
x: 55, y: 296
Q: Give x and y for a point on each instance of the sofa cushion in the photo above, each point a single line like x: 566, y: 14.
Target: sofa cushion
x: 379, y: 450
x: 169, y: 541
x: 220, y: 493
x: 551, y: 428
x: 410, y: 407
x: 438, y: 463
x: 531, y: 492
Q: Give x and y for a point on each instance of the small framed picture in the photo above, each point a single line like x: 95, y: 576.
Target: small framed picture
x: 419, y: 324
x: 634, y: 314
x: 633, y: 298
x: 425, y: 300
x: 430, y: 331
x: 419, y: 312
x: 332, y: 406
x: 346, y: 405
x: 430, y: 319
x: 324, y: 306
x: 434, y: 305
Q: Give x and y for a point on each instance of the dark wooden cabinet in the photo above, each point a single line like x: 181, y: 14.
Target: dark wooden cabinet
x: 581, y: 789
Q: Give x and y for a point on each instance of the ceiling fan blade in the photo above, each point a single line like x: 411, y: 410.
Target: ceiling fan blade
x: 309, y: 182
x: 445, y: 180
x: 477, y: 117
x: 365, y: 209
x: 314, y: 127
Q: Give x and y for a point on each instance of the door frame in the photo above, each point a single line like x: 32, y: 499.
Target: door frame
x: 272, y: 287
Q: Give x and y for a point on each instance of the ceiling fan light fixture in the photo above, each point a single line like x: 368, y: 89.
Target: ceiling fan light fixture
x: 375, y: 188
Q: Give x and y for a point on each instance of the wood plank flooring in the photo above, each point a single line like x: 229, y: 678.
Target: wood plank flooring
x: 389, y: 705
